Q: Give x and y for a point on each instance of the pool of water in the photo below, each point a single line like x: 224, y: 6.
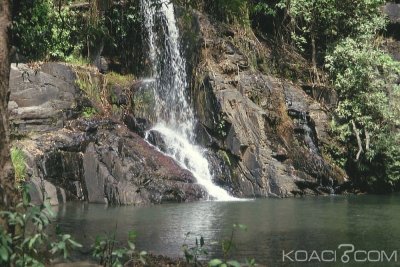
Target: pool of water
x: 274, y: 225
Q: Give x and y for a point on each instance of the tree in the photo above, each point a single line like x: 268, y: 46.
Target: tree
x: 315, y: 26
x: 367, y: 119
x: 7, y: 190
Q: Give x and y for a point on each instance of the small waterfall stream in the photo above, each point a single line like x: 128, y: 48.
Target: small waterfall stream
x: 175, y: 117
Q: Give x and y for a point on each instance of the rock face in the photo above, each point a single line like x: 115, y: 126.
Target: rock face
x: 392, y: 40
x: 266, y: 131
x: 41, y: 100
x: 263, y: 135
x: 392, y: 10
x: 96, y: 160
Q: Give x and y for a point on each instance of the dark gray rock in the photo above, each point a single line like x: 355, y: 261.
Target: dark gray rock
x: 118, y: 96
x: 392, y: 10
x: 94, y: 160
x: 112, y: 165
x: 40, y: 99
x: 137, y: 125
x: 156, y: 139
x: 269, y: 130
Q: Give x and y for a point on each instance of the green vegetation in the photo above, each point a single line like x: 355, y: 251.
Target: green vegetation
x: 89, y: 112
x: 77, y: 60
x: 367, y: 116
x: 89, y: 84
x: 18, y: 160
x: 342, y: 39
x: 25, y: 242
x: 113, y: 78
x: 42, y: 31
x: 231, y: 11
x: 109, y: 252
x: 194, y: 254
x: 25, y: 239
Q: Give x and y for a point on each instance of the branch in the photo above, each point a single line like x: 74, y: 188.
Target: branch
x: 357, y: 133
x: 367, y: 140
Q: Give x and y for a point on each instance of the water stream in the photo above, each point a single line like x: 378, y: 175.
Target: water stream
x: 175, y: 117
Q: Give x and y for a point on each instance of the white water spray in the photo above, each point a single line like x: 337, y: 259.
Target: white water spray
x: 175, y: 117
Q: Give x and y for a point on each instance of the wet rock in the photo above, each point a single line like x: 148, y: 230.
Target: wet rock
x: 97, y: 160
x: 270, y: 130
x: 114, y: 166
x: 137, y: 125
x: 156, y: 139
x: 143, y: 99
x: 203, y: 137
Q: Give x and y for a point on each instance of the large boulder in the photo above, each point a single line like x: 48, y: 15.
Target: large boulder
x: 41, y: 98
x: 108, y: 165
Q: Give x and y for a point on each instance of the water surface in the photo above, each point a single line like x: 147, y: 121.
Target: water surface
x: 317, y: 223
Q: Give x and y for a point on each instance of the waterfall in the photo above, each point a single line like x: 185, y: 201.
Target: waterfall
x: 175, y: 117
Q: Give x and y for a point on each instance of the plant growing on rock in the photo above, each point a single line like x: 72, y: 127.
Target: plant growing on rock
x: 18, y: 160
x: 89, y: 112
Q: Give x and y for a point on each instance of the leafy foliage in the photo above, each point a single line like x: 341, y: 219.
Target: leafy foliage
x: 42, y: 32
x: 367, y: 116
x: 109, y: 253
x: 25, y: 242
x: 341, y: 36
x: 124, y: 35
x: 89, y: 112
x: 324, y: 22
x: 194, y: 253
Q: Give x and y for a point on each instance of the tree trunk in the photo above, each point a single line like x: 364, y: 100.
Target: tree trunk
x: 7, y: 187
x: 314, y: 58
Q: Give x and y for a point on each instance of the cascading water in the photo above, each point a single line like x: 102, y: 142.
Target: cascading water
x: 175, y: 117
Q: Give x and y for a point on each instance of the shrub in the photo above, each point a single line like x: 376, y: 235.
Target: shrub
x: 42, y: 32
x: 367, y: 117
x: 24, y: 241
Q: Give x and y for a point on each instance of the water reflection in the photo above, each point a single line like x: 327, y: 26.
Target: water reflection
x: 368, y: 222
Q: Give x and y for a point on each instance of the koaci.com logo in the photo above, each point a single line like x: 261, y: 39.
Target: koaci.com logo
x: 345, y: 253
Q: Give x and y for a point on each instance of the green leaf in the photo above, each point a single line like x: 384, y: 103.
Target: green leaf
x: 233, y: 263
x: 74, y: 243
x: 132, y: 235
x: 4, y: 253
x: 215, y: 263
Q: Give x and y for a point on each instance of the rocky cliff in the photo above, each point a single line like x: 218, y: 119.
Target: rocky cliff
x: 269, y: 131
x: 98, y: 159
x: 264, y: 135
